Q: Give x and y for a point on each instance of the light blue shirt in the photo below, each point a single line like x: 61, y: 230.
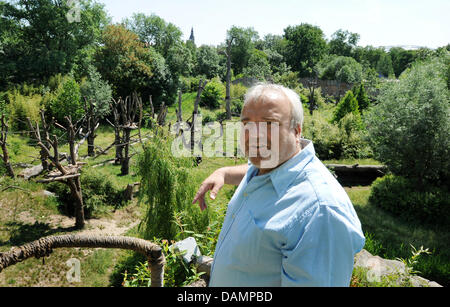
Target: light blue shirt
x: 294, y: 226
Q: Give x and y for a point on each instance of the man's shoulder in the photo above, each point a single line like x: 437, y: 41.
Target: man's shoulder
x: 320, y: 185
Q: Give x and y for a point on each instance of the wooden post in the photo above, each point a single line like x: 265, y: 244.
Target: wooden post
x: 3, y: 145
x: 201, y: 87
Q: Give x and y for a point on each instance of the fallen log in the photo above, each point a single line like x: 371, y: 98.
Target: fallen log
x: 352, y: 175
x: 31, y: 172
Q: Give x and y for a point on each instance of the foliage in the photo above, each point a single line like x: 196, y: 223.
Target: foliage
x: 348, y: 104
x: 343, y: 42
x: 168, y: 192
x: 20, y: 107
x: 408, y: 128
x: 361, y: 96
x: 98, y: 91
x: 242, y: 44
x: 305, y: 47
x: 68, y: 101
x: 344, y: 69
x: 213, y: 94
x: 384, y: 66
x: 400, y: 196
x: 176, y: 272
x: 39, y: 41
x: 155, y: 31
x: 258, y: 66
x: 208, y: 62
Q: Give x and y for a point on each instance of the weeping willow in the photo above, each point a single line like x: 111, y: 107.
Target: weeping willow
x: 168, y: 190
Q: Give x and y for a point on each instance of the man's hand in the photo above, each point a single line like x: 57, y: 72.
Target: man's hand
x: 214, y: 183
x: 226, y: 175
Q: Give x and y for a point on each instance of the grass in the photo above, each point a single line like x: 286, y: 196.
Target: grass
x: 390, y: 237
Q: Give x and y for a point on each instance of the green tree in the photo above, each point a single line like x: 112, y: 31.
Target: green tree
x: 129, y: 66
x: 155, y: 31
x: 344, y: 69
x: 408, y: 128
x: 305, y: 47
x: 208, y: 62
x: 348, y: 104
x: 401, y: 59
x: 384, y: 65
x: 360, y: 94
x: 39, y: 40
x: 258, y: 66
x: 213, y: 94
x: 343, y: 42
x: 67, y: 102
x: 242, y: 42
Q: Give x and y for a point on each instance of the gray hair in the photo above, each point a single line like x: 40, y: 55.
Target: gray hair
x: 258, y: 91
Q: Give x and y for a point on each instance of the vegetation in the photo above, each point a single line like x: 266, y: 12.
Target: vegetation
x: 389, y: 107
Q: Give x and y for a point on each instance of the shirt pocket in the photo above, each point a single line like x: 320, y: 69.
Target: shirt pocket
x: 247, y: 253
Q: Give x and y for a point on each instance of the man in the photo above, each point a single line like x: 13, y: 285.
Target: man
x: 289, y: 223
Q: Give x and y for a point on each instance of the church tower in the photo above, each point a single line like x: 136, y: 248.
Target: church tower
x: 192, y: 38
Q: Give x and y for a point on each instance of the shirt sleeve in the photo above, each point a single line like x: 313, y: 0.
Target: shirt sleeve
x: 321, y: 253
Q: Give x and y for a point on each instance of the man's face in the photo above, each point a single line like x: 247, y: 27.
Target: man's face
x: 268, y: 139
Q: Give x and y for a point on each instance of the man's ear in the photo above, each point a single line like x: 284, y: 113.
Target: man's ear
x: 298, y: 131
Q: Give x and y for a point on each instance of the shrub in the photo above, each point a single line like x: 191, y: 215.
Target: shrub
x: 168, y: 192
x: 352, y: 138
x: 67, y: 102
x: 21, y: 107
x: 400, y: 196
x: 324, y: 135
x: 213, y: 94
x: 408, y: 128
x: 348, y: 104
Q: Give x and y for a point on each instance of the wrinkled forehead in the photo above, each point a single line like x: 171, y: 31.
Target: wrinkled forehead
x: 267, y: 103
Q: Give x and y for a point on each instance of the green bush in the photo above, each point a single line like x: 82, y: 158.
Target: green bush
x: 401, y: 196
x: 352, y: 138
x: 408, y: 128
x: 168, y: 191
x: 324, y: 135
x: 67, y: 102
x: 348, y: 104
x: 213, y: 94
x: 20, y: 107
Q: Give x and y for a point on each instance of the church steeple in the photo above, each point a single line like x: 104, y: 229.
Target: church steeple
x: 192, y: 38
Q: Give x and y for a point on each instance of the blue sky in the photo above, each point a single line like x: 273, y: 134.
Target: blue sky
x: 379, y: 22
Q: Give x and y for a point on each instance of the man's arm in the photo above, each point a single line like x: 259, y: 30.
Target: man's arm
x: 225, y: 175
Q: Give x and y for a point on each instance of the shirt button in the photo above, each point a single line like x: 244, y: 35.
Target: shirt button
x: 233, y: 216
x: 245, y: 194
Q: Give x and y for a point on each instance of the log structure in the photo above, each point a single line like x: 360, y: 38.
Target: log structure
x: 3, y: 145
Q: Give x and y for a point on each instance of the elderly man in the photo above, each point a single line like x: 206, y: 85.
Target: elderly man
x: 289, y: 223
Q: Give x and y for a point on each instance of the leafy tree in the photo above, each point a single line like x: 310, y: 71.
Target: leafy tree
x: 384, y: 65
x: 208, y: 62
x: 401, y: 59
x: 180, y: 60
x: 242, y: 42
x: 258, y: 66
x: 348, y: 104
x: 360, y: 94
x: 68, y: 101
x: 343, y: 42
x: 155, y: 31
x: 129, y: 66
x: 344, y: 69
x: 305, y: 47
x: 408, y: 128
x: 213, y: 94
x: 39, y: 41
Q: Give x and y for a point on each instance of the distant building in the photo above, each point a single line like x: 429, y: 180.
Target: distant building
x: 192, y: 38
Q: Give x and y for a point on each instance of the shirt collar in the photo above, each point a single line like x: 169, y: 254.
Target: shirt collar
x: 283, y: 175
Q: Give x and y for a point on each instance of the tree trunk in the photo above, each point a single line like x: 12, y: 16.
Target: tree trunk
x: 125, y: 169
x: 180, y: 111
x: 44, y: 246
x: 228, y: 82
x: 3, y: 139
